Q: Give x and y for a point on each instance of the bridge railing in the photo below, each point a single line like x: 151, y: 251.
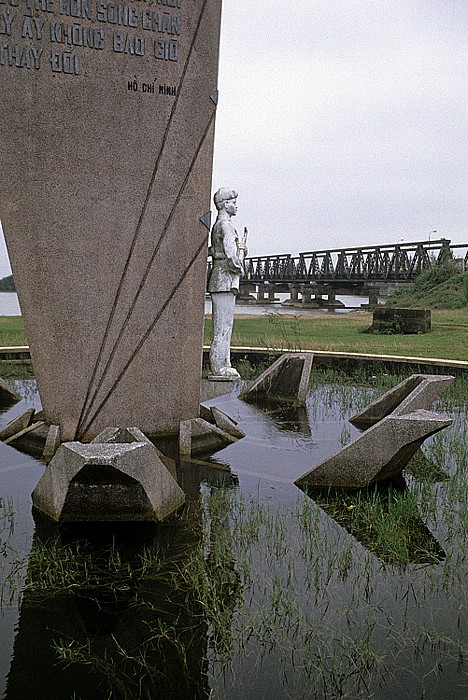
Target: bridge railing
x: 274, y: 268
x: 395, y: 262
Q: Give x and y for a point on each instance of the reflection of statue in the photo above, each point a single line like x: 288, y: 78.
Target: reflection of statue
x: 228, y: 254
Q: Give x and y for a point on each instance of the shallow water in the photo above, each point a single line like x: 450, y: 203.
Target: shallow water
x: 256, y: 591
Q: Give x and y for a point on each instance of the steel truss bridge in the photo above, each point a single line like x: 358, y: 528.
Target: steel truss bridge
x: 354, y: 267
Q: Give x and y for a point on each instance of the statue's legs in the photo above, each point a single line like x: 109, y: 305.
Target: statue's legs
x: 223, y: 304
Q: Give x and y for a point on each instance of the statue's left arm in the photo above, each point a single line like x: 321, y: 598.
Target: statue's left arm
x: 231, y: 248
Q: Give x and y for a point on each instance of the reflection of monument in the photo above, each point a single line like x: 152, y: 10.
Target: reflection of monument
x: 126, y: 631
x: 125, y: 607
x: 228, y: 254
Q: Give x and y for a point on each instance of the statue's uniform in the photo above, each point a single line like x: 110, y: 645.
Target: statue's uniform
x: 227, y: 266
x: 223, y: 285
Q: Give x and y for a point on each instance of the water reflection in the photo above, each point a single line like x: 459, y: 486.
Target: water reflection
x: 424, y: 470
x: 115, y: 610
x: 287, y: 418
x: 384, y: 519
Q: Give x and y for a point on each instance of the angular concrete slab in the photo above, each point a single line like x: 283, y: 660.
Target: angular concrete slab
x: 199, y: 437
x: 206, y: 414
x: 31, y: 440
x: 286, y: 380
x: 52, y: 443
x: 17, y: 424
x: 124, y: 482
x: 415, y: 392
x: 121, y: 435
x: 107, y: 127
x: 226, y: 423
x: 380, y: 453
x: 217, y: 417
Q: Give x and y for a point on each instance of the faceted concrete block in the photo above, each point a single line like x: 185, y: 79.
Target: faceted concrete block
x: 286, y: 380
x: 198, y: 436
x: 52, y: 443
x: 17, y: 424
x: 107, y: 482
x: 415, y: 392
x: 378, y: 454
x: 106, y: 152
x: 125, y: 435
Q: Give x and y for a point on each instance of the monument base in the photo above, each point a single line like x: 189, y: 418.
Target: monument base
x: 108, y: 480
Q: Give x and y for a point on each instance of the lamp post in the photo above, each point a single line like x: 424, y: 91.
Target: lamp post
x: 431, y: 255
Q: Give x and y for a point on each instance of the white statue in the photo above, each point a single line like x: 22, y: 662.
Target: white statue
x: 228, y: 254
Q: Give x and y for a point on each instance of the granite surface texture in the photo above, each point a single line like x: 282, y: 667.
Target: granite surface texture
x: 107, y: 137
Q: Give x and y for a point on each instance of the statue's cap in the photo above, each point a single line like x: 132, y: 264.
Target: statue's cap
x: 223, y: 195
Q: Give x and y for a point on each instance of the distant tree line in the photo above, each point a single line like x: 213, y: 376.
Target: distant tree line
x: 7, y: 284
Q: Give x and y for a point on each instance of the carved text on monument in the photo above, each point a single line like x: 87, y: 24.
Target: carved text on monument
x: 23, y: 21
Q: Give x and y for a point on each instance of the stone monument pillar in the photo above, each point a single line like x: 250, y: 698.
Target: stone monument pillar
x: 106, y: 125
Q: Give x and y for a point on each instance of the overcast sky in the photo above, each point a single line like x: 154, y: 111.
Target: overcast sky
x: 342, y: 122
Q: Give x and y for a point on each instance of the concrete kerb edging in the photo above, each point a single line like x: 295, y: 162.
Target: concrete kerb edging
x: 321, y: 357
x: 329, y: 357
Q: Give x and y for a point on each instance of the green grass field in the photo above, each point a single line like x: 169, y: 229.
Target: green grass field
x: 339, y: 332
x: 12, y: 331
x: 343, y: 333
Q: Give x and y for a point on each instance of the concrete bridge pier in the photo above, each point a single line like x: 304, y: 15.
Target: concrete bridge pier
x: 246, y: 293
x: 306, y: 297
x: 312, y: 297
x: 294, y: 300
x: 328, y: 291
x: 266, y: 293
x: 373, y: 294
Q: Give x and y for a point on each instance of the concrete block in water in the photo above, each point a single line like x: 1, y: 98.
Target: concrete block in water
x: 18, y: 424
x: 286, y: 380
x: 124, y: 482
x: 415, y: 392
x: 198, y: 436
x: 52, y: 443
x: 126, y: 435
x: 121, y: 435
x: 226, y: 423
x: 380, y: 453
x: 7, y: 394
x: 30, y: 440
